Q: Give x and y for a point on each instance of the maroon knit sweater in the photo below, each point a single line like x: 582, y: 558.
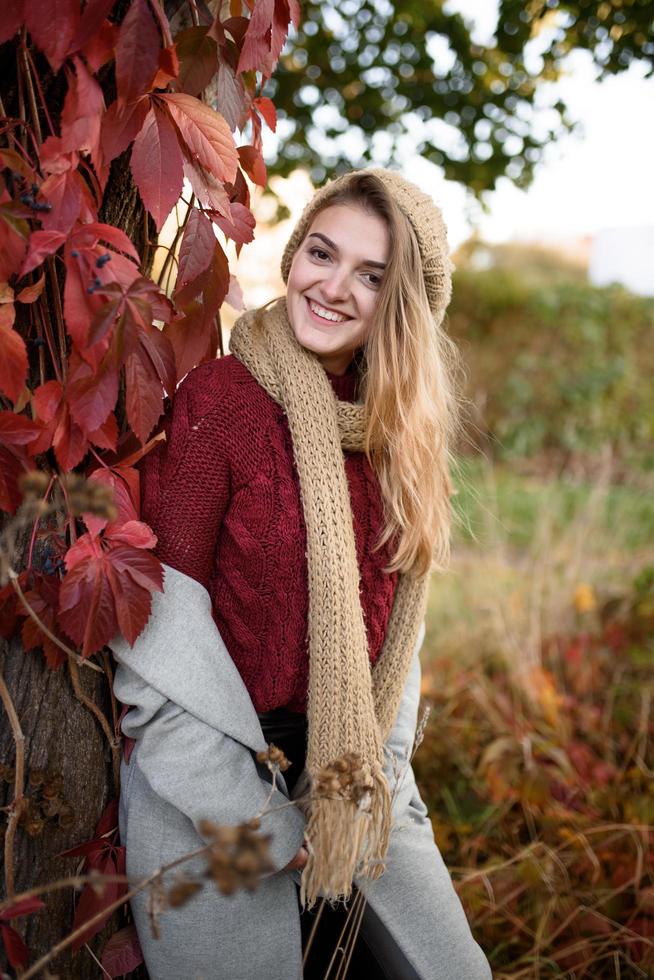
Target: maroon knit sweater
x: 222, y: 495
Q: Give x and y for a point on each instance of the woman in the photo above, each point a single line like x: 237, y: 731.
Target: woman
x: 300, y: 501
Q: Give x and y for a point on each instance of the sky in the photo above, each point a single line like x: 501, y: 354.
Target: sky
x: 584, y: 184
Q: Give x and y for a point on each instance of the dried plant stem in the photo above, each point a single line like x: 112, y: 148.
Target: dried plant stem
x: 356, y: 915
x: 47, y: 332
x: 44, y: 105
x: 181, y: 225
x: 27, y: 74
x: 94, y: 957
x: 106, y: 660
x: 114, y: 742
x: 312, y: 934
x: 18, y: 802
x: 351, y: 912
x: 59, y: 314
x: 13, y: 578
x: 108, y: 909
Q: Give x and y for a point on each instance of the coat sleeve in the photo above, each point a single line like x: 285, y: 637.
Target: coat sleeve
x: 201, y: 771
x: 399, y: 744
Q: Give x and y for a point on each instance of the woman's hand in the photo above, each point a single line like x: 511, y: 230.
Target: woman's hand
x: 299, y: 860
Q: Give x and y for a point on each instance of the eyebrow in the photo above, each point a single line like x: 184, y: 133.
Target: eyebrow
x: 334, y: 246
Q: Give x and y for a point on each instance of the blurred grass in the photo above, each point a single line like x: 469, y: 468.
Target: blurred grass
x: 522, y: 540
x: 537, y: 762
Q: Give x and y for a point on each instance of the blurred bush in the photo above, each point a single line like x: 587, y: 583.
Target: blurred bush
x: 539, y: 777
x: 555, y: 366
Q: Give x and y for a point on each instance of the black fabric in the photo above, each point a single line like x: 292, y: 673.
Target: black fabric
x: 288, y: 731
x: 376, y: 955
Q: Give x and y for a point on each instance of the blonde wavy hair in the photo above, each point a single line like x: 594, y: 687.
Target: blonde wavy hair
x: 410, y: 387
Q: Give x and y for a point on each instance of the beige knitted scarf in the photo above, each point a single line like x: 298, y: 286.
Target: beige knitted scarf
x: 351, y: 708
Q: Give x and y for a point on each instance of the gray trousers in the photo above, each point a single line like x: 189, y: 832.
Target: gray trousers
x: 256, y: 935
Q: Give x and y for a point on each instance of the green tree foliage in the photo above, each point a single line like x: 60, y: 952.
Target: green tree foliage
x: 370, y: 80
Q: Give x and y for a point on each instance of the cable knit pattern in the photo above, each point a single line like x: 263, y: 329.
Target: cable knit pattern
x: 222, y: 495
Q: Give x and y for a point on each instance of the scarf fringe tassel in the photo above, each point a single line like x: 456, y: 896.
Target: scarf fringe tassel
x: 345, y: 841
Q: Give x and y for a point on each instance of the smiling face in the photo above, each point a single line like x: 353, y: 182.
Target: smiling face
x: 334, y: 282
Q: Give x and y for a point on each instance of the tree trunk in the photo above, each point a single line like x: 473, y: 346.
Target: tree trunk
x: 61, y: 734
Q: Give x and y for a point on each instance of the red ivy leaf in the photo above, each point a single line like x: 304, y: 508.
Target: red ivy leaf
x: 68, y: 440
x: 92, y: 21
x: 95, y: 899
x: 267, y: 109
x: 109, y: 585
x: 235, y: 294
x: 41, y: 245
x: 99, y: 49
x: 113, y: 478
x: 122, y: 952
x: 137, y: 535
x: 29, y: 294
x: 241, y: 226
x: 120, y: 125
x: 18, y: 430
x: 231, y: 95
x: 13, y: 243
x: 195, y: 256
x: 144, y: 395
x: 108, y: 821
x: 13, y: 362
x: 207, y: 136
x: 198, y: 58
x: 157, y: 165
x: 209, y: 191
x: 17, y: 951
x: 68, y: 196
x: 88, y: 234
x: 252, y: 162
x: 53, y: 25
x: 91, y: 394
x: 13, y: 463
x: 137, y: 52
x: 82, y: 112
x: 44, y: 599
x: 26, y: 906
x: 12, y: 20
x: 265, y: 35
x: 168, y: 66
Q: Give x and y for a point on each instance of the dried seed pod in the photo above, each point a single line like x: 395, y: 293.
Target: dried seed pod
x: 33, y: 826
x: 238, y: 855
x: 274, y: 758
x: 182, y: 890
x: 7, y: 773
x: 33, y: 484
x: 51, y: 807
x: 37, y: 777
x: 66, y: 817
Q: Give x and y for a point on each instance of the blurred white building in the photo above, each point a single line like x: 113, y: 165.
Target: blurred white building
x: 624, y: 255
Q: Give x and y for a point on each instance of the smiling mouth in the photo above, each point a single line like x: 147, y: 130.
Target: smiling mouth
x: 324, y: 314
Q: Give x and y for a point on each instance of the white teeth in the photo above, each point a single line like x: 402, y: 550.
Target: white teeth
x: 327, y: 314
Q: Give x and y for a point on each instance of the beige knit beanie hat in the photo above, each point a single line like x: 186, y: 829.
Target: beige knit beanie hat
x: 424, y: 216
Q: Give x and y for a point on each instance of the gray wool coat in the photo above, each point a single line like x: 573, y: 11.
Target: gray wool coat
x: 197, y: 734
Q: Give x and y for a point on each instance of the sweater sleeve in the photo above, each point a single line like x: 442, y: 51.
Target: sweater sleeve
x: 185, y: 482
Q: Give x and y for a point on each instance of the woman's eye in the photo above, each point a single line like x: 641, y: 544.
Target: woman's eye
x: 372, y: 279
x: 318, y: 253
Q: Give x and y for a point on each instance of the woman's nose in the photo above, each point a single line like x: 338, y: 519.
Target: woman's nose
x: 335, y: 286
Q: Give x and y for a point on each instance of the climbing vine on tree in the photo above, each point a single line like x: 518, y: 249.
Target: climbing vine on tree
x: 91, y: 343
